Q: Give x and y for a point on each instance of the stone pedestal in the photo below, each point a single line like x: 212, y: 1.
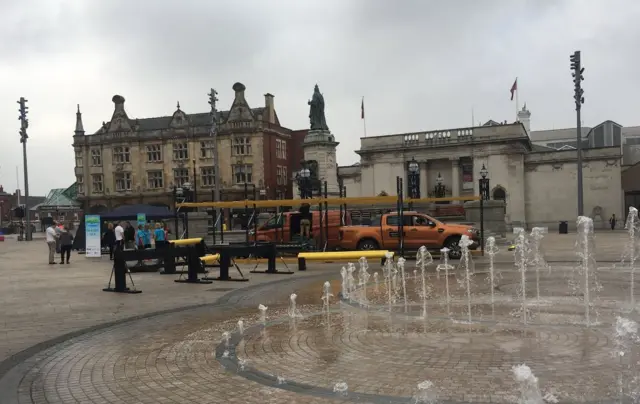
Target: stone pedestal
x: 320, y: 145
x: 493, y: 215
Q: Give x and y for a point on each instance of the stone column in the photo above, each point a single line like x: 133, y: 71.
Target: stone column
x: 424, y: 181
x: 455, y: 178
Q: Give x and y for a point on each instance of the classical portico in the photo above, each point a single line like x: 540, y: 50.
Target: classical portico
x: 536, y: 183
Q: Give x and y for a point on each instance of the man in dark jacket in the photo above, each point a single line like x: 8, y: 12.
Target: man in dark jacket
x: 129, y: 236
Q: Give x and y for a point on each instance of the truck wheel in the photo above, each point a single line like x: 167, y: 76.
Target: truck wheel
x: 453, y: 244
x: 368, y: 244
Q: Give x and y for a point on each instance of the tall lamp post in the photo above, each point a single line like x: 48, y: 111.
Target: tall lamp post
x: 24, y: 124
x: 414, y: 186
x: 440, y: 189
x: 484, y: 183
x: 578, y: 97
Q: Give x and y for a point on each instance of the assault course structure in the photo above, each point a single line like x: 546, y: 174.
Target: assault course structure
x: 198, y: 256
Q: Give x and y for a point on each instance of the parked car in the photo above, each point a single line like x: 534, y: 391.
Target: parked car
x: 418, y: 230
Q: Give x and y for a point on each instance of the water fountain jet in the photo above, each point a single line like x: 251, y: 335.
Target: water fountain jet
x: 401, y: 262
x: 424, y: 258
x: 446, y: 267
x: 491, y: 250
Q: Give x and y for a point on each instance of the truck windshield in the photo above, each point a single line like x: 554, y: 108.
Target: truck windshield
x: 273, y: 222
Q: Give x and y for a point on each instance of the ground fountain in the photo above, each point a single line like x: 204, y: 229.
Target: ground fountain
x: 466, y: 270
x: 584, y: 281
x: 429, y: 328
x: 390, y: 270
x: 537, y: 260
x: 345, y: 291
x: 494, y: 276
x: 240, y: 327
x: 363, y: 280
x: 293, y: 306
x: 426, y: 393
x: 424, y: 259
x: 625, y: 350
x: 401, y: 262
x: 632, y: 249
x: 521, y: 254
x: 446, y: 268
x: 263, y: 313
x: 528, y: 383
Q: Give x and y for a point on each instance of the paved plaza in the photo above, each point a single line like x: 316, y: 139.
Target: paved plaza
x: 63, y: 340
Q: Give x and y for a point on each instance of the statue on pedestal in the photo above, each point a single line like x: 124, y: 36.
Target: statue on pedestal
x: 316, y: 111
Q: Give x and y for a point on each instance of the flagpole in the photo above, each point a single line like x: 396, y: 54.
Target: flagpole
x: 364, y: 118
x: 517, y: 100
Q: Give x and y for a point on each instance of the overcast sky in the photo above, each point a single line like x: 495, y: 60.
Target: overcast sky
x: 420, y: 64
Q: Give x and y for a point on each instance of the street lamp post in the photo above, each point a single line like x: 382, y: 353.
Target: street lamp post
x: 414, y: 186
x: 484, y: 196
x: 24, y: 124
x: 439, y: 188
x: 484, y: 183
x: 578, y: 97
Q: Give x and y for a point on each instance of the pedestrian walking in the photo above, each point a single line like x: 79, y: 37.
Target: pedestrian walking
x: 119, y: 232
x: 109, y: 239
x: 612, y: 221
x: 66, y: 241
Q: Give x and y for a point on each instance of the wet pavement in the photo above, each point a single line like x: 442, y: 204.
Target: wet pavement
x: 180, y: 355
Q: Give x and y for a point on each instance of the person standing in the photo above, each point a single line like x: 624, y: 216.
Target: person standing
x: 129, y: 235
x: 305, y: 221
x: 51, y: 243
x: 109, y: 239
x: 66, y: 241
x: 612, y: 221
x: 159, y: 236
x: 147, y: 236
x: 119, y: 232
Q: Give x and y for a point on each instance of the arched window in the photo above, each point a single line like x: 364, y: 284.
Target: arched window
x: 499, y: 194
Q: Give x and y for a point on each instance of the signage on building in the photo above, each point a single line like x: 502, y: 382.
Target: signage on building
x: 92, y: 236
x: 142, y: 219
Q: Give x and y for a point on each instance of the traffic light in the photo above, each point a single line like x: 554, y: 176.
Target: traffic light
x: 578, y: 76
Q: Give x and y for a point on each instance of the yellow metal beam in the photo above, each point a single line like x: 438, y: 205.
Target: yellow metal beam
x: 360, y: 200
x: 210, y: 258
x: 187, y: 241
x: 336, y: 255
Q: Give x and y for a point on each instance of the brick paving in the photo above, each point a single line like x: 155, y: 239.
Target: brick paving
x: 177, y: 356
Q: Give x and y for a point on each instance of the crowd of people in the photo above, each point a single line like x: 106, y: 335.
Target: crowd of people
x: 125, y: 235
x: 114, y: 235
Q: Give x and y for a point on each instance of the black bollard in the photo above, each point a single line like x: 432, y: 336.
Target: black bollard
x: 169, y: 258
x: 119, y: 275
x: 194, y: 266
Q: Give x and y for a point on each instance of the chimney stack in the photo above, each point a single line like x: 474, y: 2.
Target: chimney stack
x: 239, y: 89
x: 118, y: 101
x: 269, y: 108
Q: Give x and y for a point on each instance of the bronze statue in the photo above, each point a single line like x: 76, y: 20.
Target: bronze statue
x: 316, y: 111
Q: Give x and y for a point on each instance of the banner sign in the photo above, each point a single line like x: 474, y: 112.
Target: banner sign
x: 142, y: 219
x: 93, y: 236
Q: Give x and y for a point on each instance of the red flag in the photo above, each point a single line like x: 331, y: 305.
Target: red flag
x: 362, y: 109
x: 514, y: 88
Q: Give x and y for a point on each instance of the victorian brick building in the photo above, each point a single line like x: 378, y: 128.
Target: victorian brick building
x: 130, y: 160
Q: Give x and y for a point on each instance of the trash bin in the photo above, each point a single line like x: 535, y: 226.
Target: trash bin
x: 563, y: 228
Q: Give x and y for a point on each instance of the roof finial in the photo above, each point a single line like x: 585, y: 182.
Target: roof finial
x: 79, y: 127
x: 178, y: 104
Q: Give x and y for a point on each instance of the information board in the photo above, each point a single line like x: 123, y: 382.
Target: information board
x: 93, y: 235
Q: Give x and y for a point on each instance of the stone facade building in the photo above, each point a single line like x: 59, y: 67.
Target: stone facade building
x: 131, y: 160
x: 537, y: 183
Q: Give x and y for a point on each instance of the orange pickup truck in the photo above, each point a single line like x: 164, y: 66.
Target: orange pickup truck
x: 418, y: 230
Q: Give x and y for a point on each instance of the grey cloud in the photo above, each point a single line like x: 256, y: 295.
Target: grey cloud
x: 420, y: 64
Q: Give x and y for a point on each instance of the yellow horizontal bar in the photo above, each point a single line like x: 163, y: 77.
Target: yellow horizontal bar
x: 210, y: 258
x: 360, y: 200
x: 336, y: 255
x: 187, y: 241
